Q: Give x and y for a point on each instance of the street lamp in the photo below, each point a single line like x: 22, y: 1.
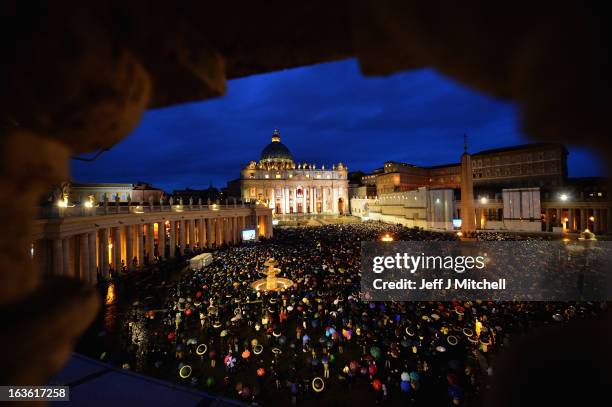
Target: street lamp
x: 564, y: 197
x: 484, y: 200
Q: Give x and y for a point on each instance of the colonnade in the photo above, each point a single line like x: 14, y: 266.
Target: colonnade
x: 577, y: 219
x: 72, y: 247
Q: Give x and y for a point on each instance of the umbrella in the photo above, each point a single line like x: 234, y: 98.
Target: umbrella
x: 223, y: 333
x: 372, y: 369
x: 201, y: 349
x: 414, y: 376
x: 405, y: 376
x: 317, y: 384
x: 354, y: 366
x: 261, y: 372
x: 185, y: 371
x: 405, y: 386
x: 375, y: 352
x: 455, y: 392
x: 377, y: 384
x: 245, y: 392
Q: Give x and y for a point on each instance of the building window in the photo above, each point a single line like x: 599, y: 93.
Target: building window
x: 278, y: 176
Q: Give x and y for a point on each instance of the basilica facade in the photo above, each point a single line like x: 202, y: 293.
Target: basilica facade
x: 289, y: 187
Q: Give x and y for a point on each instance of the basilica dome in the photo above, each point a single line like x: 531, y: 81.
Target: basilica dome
x: 276, y: 152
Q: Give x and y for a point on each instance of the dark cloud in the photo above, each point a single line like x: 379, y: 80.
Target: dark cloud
x: 326, y: 114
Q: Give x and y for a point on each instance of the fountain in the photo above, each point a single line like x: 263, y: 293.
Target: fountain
x: 587, y: 235
x: 271, y: 282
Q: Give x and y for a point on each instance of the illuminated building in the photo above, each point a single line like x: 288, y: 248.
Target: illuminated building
x: 521, y: 188
x: 288, y: 187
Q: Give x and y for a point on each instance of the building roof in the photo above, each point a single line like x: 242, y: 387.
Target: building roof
x: 276, y: 151
x: 521, y: 147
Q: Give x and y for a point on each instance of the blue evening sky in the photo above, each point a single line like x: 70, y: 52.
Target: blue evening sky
x: 325, y: 113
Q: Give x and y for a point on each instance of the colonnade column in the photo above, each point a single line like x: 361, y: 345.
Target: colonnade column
x: 181, y: 237
x: 234, y: 230
x: 161, y: 239
x: 547, y: 214
x: 219, y: 231
x: 596, y: 227
x: 103, y: 267
x: 172, y: 245
x: 66, y: 256
x: 129, y: 247
x: 140, y: 243
x: 93, y: 276
x: 84, y: 257
x: 117, y: 249
x: 201, y: 233
x: 583, y: 219
x: 58, y: 253
x: 150, y: 242
x: 207, y: 221
x: 191, y: 233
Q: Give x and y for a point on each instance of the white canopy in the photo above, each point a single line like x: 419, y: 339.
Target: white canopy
x: 201, y: 260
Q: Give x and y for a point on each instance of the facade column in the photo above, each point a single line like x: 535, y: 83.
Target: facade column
x: 335, y: 200
x: 558, y: 219
x: 93, y: 275
x: 324, y: 201
x: 129, y: 247
x: 140, y: 244
x: 201, y: 233
x: 117, y: 249
x: 287, y: 210
x: 172, y: 245
x: 294, y: 200
x: 161, y: 239
x: 181, y: 237
x: 583, y: 219
x: 58, y: 261
x: 103, y: 253
x: 191, y: 233
x: 548, y: 214
x: 312, y: 201
x: 596, y: 223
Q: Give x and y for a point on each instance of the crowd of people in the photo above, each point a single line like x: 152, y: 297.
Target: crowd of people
x: 318, y: 341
